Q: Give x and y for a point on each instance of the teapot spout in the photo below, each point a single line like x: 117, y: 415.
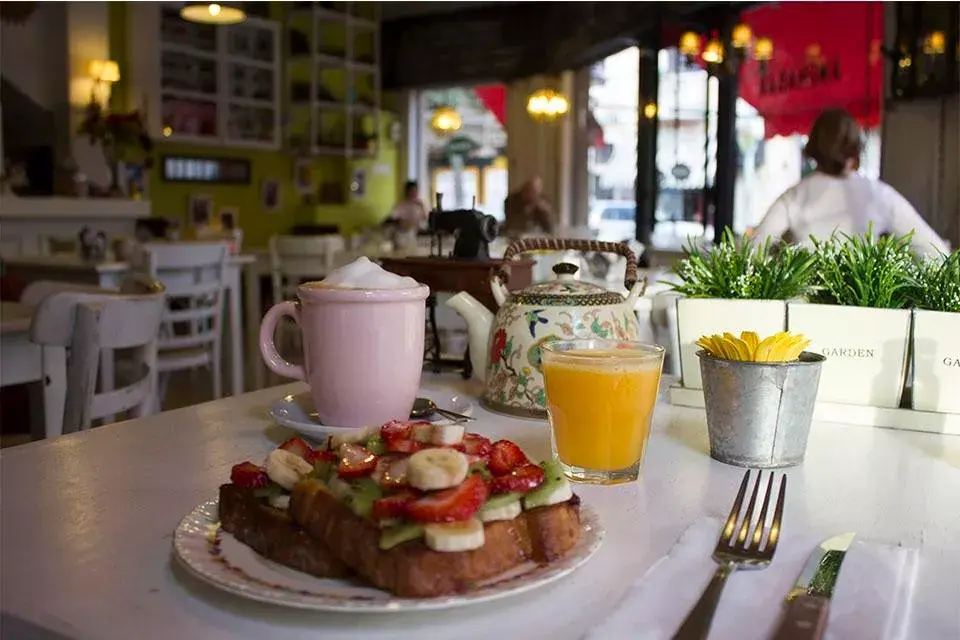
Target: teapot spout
x: 479, y: 319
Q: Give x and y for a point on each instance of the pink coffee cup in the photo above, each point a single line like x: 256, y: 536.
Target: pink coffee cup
x: 363, y: 350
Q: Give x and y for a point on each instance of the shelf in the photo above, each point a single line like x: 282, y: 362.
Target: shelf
x: 906, y: 419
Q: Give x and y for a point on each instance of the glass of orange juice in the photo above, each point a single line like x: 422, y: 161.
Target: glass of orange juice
x: 600, y: 399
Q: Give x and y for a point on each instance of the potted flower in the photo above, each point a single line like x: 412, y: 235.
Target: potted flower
x: 731, y: 288
x: 120, y: 136
x: 858, y: 317
x: 936, y: 335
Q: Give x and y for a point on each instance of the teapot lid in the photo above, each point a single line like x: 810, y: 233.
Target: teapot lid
x: 566, y: 291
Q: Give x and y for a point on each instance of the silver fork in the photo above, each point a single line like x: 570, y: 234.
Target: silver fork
x: 743, y: 550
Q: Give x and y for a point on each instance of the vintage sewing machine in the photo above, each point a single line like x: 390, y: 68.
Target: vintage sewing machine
x: 474, y: 231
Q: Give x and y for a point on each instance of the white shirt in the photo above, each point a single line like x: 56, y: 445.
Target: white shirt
x: 820, y: 205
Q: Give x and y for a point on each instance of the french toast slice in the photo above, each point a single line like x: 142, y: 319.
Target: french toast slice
x: 412, y: 569
x: 273, y: 534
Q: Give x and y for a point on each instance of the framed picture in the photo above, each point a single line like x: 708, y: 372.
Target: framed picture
x: 303, y: 175
x: 229, y: 218
x: 200, y: 209
x: 270, y: 195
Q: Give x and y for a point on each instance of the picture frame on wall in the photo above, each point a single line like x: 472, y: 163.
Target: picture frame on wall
x: 270, y: 195
x: 200, y: 210
x: 303, y: 175
x: 229, y: 218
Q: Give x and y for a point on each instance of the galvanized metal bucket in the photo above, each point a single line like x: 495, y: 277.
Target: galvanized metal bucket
x: 759, y: 413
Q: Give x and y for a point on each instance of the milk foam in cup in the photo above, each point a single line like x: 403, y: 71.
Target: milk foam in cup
x: 363, y: 273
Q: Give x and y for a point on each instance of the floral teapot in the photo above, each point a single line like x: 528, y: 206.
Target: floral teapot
x: 505, y: 349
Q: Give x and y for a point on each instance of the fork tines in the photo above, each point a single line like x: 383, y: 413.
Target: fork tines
x: 750, y: 535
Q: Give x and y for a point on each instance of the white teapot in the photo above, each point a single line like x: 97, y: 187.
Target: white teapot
x: 505, y: 349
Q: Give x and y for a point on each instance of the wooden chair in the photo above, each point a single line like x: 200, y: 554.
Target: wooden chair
x: 191, y: 328
x: 85, y: 320
x: 295, y: 258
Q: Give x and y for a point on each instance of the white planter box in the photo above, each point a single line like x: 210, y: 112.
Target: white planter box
x: 866, y: 351
x: 936, y: 361
x: 705, y: 316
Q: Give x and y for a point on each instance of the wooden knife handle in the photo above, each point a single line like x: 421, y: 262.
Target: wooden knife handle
x: 806, y: 619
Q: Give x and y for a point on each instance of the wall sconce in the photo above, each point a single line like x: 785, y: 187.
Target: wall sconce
x: 213, y: 12
x: 104, y: 74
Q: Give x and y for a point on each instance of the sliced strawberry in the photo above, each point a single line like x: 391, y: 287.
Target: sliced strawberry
x: 404, y: 446
x: 476, y: 445
x: 355, y: 461
x: 505, y: 456
x: 321, y: 455
x: 297, y: 445
x: 450, y: 505
x: 392, y: 506
x: 396, y: 430
x: 247, y: 475
x: 520, y: 480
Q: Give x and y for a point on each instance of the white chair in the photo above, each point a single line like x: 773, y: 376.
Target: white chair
x: 293, y: 258
x: 190, y: 331
x: 85, y: 320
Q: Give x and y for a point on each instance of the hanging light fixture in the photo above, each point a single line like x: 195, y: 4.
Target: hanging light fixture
x: 445, y: 121
x: 547, y: 105
x: 719, y: 55
x: 213, y: 12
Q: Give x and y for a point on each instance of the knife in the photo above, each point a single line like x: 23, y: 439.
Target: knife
x: 808, y: 603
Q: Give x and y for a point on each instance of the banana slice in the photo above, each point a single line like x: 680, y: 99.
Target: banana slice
x: 508, y: 511
x: 353, y: 436
x: 280, y: 501
x: 286, y: 468
x: 422, y: 432
x: 432, y: 469
x: 447, y: 434
x: 454, y: 536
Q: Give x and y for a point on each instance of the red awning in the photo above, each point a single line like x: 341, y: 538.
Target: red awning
x: 494, y: 98
x: 825, y: 55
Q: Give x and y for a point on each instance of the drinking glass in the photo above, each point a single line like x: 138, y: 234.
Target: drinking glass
x: 600, y: 399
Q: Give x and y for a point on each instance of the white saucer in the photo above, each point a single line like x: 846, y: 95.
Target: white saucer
x: 297, y: 411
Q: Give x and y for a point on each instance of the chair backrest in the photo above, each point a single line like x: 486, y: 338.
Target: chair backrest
x: 193, y: 274
x: 293, y: 258
x: 86, y: 321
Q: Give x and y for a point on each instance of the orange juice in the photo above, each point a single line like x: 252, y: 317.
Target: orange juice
x: 601, y: 404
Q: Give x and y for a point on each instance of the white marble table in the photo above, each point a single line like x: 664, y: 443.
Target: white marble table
x: 109, y: 274
x: 86, y: 536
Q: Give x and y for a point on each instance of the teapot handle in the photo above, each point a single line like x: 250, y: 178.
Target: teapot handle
x: 517, y: 247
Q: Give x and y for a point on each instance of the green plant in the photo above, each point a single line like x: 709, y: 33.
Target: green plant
x: 937, y: 283
x: 864, y: 270
x: 748, y: 271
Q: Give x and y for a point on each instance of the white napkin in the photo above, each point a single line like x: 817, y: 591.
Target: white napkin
x: 872, y: 599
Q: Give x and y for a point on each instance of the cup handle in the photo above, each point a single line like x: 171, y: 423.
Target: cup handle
x: 268, y: 346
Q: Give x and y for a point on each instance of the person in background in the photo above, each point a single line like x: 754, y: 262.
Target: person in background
x: 410, y: 213
x: 835, y: 198
x: 527, y: 211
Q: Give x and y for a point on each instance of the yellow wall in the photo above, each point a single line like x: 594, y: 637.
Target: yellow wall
x: 170, y: 199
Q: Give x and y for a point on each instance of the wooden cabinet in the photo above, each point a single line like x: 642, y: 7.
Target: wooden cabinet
x: 206, y: 84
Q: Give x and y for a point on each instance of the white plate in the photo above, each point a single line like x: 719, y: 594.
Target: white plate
x: 216, y: 557
x: 298, y: 412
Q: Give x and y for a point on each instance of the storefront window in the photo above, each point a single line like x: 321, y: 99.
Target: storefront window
x: 467, y: 167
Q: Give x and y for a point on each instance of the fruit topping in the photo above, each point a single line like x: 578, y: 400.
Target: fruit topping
x: 505, y: 456
x: 298, y: 446
x: 505, y: 506
x: 355, y: 461
x: 422, y: 432
x: 455, y: 536
x: 403, y: 446
x: 476, y: 445
x: 520, y: 480
x: 247, y: 475
x: 351, y: 436
x: 446, y: 435
x: 286, y: 468
x: 391, y: 471
x: 555, y: 488
x: 320, y: 455
x: 392, y: 506
x: 452, y: 505
x: 439, y: 468
x: 397, y: 430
